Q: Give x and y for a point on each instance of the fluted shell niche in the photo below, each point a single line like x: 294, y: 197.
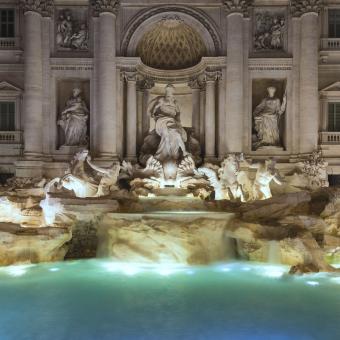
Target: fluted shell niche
x: 171, y: 44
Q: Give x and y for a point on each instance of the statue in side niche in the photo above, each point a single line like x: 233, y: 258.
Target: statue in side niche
x: 73, y: 120
x: 267, y: 118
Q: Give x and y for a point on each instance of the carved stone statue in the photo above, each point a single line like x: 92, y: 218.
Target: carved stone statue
x: 86, y: 179
x: 235, y: 181
x: 266, y: 173
x: 169, y: 142
x: 166, y: 113
x: 73, y: 120
x: 267, y: 118
x: 269, y: 31
x: 71, y: 34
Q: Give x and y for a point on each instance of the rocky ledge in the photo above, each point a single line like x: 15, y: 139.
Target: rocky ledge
x: 300, y: 229
x: 32, y: 245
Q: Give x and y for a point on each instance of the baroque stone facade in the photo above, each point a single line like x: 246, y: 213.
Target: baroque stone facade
x: 87, y: 74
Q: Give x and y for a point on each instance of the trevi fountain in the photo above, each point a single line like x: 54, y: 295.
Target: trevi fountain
x: 166, y: 171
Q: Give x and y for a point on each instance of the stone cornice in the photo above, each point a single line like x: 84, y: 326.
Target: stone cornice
x: 43, y: 7
x: 300, y: 7
x: 105, y: 6
x: 238, y: 6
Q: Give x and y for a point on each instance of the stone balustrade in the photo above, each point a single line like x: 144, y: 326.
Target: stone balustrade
x: 330, y: 44
x: 10, y: 137
x: 9, y: 43
x: 330, y: 137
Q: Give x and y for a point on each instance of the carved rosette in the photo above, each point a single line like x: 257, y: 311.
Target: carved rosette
x: 43, y: 7
x: 299, y: 7
x: 238, y: 6
x: 105, y: 6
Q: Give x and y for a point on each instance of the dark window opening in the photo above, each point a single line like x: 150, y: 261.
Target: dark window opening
x: 334, y: 117
x: 7, y: 23
x: 4, y: 177
x: 334, y: 180
x: 7, y: 116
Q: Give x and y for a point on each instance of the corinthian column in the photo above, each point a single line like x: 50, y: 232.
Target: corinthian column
x: 106, y: 119
x: 308, y: 12
x: 196, y: 86
x: 131, y: 115
x: 210, y: 115
x: 33, y: 94
x: 235, y: 11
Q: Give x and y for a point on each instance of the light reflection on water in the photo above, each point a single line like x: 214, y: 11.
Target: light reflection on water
x: 100, y: 299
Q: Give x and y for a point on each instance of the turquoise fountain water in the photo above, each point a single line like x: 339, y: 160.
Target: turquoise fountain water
x: 98, y: 299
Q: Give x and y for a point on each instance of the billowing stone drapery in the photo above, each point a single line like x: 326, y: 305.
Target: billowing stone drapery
x: 237, y: 6
x: 33, y: 96
x: 106, y: 143
x: 309, y: 103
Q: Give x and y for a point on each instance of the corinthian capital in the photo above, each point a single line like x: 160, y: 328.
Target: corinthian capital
x: 102, y: 6
x: 44, y: 7
x: 238, y: 6
x: 299, y: 7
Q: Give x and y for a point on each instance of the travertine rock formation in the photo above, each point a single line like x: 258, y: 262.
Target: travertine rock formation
x: 32, y: 245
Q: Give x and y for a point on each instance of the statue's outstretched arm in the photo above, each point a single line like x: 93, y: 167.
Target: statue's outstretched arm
x: 97, y: 168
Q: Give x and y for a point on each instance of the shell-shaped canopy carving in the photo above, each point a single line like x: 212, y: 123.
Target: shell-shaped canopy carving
x: 171, y: 44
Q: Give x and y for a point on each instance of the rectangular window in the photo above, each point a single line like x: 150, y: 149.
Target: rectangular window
x: 7, y: 116
x: 334, y: 117
x: 7, y: 23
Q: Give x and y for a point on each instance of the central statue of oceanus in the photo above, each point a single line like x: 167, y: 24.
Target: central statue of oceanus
x: 169, y: 143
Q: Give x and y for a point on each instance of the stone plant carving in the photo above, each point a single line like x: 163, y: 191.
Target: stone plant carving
x: 100, y: 6
x: 267, y: 119
x: 71, y: 34
x: 44, y: 7
x: 238, y: 6
x: 73, y: 120
x: 299, y: 7
x: 86, y: 179
x: 269, y: 31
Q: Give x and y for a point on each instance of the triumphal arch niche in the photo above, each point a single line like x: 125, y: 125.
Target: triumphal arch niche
x: 172, y: 90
